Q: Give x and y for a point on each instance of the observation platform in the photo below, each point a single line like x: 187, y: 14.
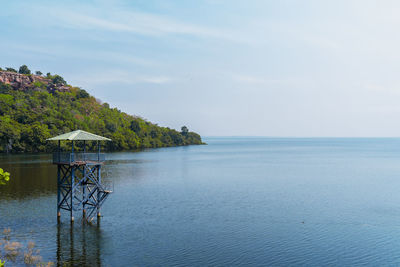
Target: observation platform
x: 79, y: 184
x: 78, y: 158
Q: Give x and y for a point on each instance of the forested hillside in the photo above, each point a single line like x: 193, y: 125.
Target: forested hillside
x: 35, y: 107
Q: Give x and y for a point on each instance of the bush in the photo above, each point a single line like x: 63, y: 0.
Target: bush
x: 11, y: 70
x: 58, y: 80
x: 4, y: 177
x: 82, y: 94
x: 24, y: 70
x: 38, y: 84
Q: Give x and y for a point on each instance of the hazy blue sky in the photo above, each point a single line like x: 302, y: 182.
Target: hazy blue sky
x: 271, y: 68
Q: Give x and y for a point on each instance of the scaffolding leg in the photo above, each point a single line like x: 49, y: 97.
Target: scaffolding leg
x: 98, y: 192
x: 84, y: 193
x: 58, y: 193
x: 72, y: 193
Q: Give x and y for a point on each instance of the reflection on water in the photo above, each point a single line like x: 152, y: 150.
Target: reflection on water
x: 78, y: 245
x: 31, y: 175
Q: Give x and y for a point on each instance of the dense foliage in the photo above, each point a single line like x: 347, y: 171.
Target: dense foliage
x: 4, y: 177
x: 29, y: 117
x: 24, y: 70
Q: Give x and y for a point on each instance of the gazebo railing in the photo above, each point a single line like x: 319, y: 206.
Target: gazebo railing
x: 70, y: 158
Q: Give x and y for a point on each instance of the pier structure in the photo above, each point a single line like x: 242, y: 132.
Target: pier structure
x: 79, y: 185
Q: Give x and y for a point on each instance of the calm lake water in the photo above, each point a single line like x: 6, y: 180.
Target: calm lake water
x: 236, y: 201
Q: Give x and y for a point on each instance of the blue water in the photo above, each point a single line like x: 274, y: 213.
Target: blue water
x: 236, y: 201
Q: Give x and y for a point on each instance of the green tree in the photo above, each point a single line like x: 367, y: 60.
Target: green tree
x: 35, y: 136
x: 24, y: 70
x: 58, y: 80
x: 184, y: 130
x: 38, y: 72
x: 4, y: 177
x: 9, y: 133
x: 135, y: 126
x: 11, y: 69
x: 82, y: 94
x: 5, y: 88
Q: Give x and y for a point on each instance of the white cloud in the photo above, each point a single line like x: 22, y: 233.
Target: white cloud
x: 264, y: 81
x: 140, y: 23
x: 120, y: 77
x: 254, y: 80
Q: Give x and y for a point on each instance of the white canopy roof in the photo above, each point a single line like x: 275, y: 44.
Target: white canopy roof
x: 79, y: 135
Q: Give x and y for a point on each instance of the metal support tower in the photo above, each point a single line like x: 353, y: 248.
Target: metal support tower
x: 79, y: 188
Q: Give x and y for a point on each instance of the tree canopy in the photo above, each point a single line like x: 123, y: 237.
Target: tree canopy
x: 11, y: 69
x: 24, y: 70
x: 57, y: 79
x: 184, y: 130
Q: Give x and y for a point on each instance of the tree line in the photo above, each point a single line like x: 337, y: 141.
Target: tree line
x: 29, y: 117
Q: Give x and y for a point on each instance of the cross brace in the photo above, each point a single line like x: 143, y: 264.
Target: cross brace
x: 79, y: 187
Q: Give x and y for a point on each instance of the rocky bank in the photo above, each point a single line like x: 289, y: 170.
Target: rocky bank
x: 25, y: 82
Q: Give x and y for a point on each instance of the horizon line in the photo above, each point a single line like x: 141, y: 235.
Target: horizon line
x: 266, y: 136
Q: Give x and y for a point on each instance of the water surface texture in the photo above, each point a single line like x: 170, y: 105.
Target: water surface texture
x: 236, y: 201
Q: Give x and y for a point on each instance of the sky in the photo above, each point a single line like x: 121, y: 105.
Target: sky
x: 222, y: 67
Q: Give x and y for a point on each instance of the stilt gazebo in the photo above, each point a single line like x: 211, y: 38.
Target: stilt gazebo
x: 79, y: 184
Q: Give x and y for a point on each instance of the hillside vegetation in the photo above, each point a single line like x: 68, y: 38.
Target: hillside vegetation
x: 48, y: 106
